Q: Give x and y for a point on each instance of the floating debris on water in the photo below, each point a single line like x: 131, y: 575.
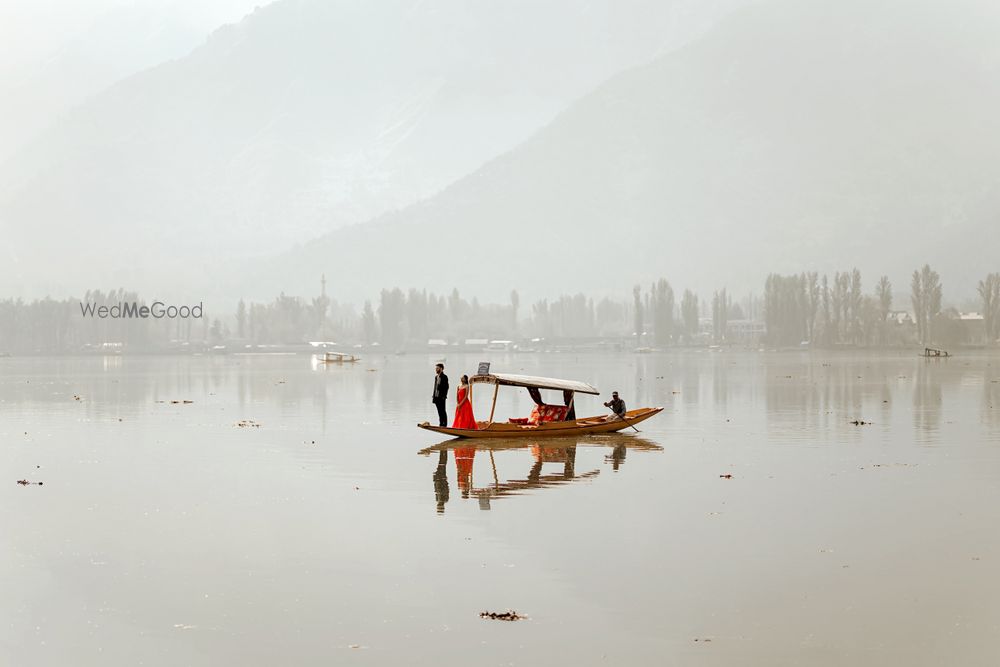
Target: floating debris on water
x: 24, y: 482
x: 726, y: 476
x: 509, y: 615
x: 247, y: 423
x: 859, y: 422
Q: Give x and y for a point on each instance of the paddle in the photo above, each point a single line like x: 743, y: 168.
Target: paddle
x: 631, y: 424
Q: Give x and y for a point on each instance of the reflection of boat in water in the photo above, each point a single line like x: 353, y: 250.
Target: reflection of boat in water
x: 612, y: 440
x: 337, y: 358
x: 558, y: 451
x: 545, y: 420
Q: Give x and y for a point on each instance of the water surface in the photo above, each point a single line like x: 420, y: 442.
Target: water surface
x: 335, y: 532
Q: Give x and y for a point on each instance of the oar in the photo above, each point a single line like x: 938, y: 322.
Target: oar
x: 631, y: 424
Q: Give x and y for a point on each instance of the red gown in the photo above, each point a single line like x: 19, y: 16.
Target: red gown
x: 463, y: 413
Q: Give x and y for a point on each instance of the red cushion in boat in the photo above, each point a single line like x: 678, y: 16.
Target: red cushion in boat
x: 542, y: 414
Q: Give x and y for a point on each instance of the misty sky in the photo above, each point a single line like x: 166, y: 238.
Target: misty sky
x: 32, y: 32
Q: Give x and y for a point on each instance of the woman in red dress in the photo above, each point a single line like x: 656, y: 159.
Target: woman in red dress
x: 463, y: 411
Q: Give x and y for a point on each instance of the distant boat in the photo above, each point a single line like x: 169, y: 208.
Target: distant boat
x: 337, y: 358
x: 545, y: 420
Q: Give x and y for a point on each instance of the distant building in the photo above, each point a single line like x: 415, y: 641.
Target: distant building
x: 973, y: 327
x: 745, y: 331
x: 900, y: 317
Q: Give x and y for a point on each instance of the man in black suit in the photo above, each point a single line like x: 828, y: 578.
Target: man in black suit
x: 440, y: 395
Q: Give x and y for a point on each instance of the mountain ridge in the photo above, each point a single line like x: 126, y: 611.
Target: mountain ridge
x: 304, y: 116
x: 845, y: 141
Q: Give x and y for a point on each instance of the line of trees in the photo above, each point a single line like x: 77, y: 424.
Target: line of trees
x: 806, y: 307
x: 49, y: 325
x: 817, y: 310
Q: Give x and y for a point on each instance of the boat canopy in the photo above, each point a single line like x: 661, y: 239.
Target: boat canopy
x: 534, y: 381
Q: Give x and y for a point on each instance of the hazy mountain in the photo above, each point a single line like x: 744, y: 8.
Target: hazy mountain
x: 795, y: 135
x: 305, y: 116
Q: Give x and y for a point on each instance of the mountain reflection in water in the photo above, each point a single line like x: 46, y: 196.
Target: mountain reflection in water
x: 559, y: 451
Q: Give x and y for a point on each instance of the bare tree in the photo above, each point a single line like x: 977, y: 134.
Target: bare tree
x: 812, y: 304
x: 720, y: 315
x: 926, y: 291
x: 883, y: 292
x: 637, y: 314
x: 917, y: 299
x: 515, y: 302
x: 827, y: 322
x: 989, y: 293
x: 689, y: 313
x: 662, y: 302
x: 855, y: 330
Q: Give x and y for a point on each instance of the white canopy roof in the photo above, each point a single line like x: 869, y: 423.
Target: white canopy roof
x: 534, y: 381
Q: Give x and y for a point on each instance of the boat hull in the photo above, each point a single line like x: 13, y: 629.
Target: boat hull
x: 564, y: 429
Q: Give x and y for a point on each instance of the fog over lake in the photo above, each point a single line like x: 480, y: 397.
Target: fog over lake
x: 507, y: 332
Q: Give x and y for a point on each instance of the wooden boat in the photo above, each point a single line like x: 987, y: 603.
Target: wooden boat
x: 561, y: 428
x: 338, y: 358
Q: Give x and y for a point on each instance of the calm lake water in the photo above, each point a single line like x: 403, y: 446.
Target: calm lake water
x: 167, y: 534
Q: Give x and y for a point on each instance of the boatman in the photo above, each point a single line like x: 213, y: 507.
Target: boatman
x: 440, y: 395
x: 617, y: 406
